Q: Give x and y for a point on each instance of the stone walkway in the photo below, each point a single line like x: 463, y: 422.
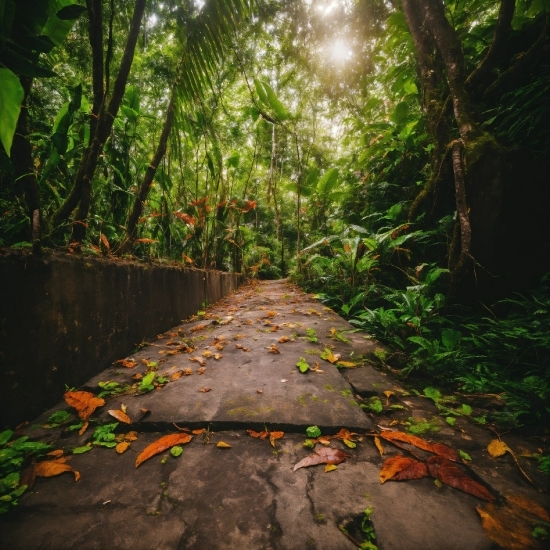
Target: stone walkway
x: 244, y: 353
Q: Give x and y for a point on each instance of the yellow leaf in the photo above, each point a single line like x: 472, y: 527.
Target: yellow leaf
x: 83, y: 429
x: 120, y: 416
x: 379, y: 445
x: 121, y: 447
x: 207, y: 353
x: 347, y: 364
x: 330, y: 467
x: 497, y: 448
x: 52, y: 468
x: 218, y: 356
x: 388, y: 393
x: 222, y: 445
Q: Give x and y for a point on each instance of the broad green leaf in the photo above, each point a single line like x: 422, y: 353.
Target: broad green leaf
x: 450, y: 338
x: 328, y: 181
x: 71, y: 12
x: 464, y: 456
x: 302, y: 365
x: 399, y: 114
x: 176, y: 450
x: 376, y: 405
x: 432, y: 393
x: 11, y: 97
x: 410, y: 87
x: 465, y: 409
x: 451, y: 420
x: 261, y: 92
x: 59, y: 417
x: 5, y: 436
x: 274, y: 103
x: 81, y: 450
x: 313, y: 431
x: 309, y: 444
x: 55, y: 28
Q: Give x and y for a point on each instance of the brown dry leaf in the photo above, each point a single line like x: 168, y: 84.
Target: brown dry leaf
x: 261, y: 435
x: 84, y: 402
x: 121, y: 447
x: 128, y: 363
x: 437, y: 448
x: 207, y: 353
x: 145, y: 362
x: 201, y: 370
x: 205, y: 390
x: 504, y: 528
x: 218, y: 356
x: 56, y: 454
x: 161, y: 445
x: 52, y: 468
x: 323, y: 441
x: 219, y: 347
x: 187, y: 372
x: 345, y: 434
x: 137, y: 376
x: 105, y: 241
x: 330, y: 467
x: 452, y: 475
x: 198, y: 360
x: 401, y: 468
x: 198, y: 327
x: 120, y: 416
x: 131, y: 436
x: 273, y: 349
x: 271, y: 313
x: 275, y: 435
x: 177, y: 375
x: 198, y: 432
x: 324, y: 455
x: 497, y: 448
x: 529, y: 506
x: 274, y: 328
x: 223, y: 445
x: 379, y: 445
x: 283, y: 339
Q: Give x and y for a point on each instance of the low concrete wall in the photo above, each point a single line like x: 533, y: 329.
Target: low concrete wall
x: 63, y: 319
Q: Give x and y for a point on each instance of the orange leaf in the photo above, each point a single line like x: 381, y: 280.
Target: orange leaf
x: 261, y: 435
x: 205, y: 390
x: 52, y: 468
x: 325, y: 455
x: 379, y: 445
x: 120, y: 416
x: 218, y: 356
x: 128, y: 363
x: 529, y: 506
x: 201, y: 370
x: 187, y: 372
x: 84, y: 402
x: 345, y: 434
x: 105, y: 241
x: 121, y: 447
x: 207, y: 353
x: 275, y: 435
x: 161, y: 445
x: 436, y: 448
x: 145, y: 241
x: 198, y: 327
x: 131, y: 436
x: 56, y: 454
x: 452, y: 475
x: 400, y: 467
x: 503, y: 528
x: 198, y: 432
x: 273, y: 349
x: 177, y: 375
x: 198, y: 360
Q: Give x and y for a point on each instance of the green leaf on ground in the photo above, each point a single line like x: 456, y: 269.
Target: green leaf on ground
x: 176, y: 450
x: 302, y: 365
x: 313, y: 431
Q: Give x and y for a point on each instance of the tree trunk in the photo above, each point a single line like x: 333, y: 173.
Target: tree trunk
x: 149, y: 175
x: 22, y: 159
x: 106, y: 117
x: 95, y: 31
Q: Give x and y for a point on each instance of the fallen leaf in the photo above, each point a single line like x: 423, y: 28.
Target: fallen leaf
x: 349, y: 443
x: 347, y: 364
x: 271, y: 314
x: 187, y: 372
x: 330, y: 467
x: 283, y: 339
x: 51, y: 468
x: 261, y: 435
x: 204, y: 390
x: 201, y: 370
x: 401, y: 468
x: 218, y: 356
x: 198, y: 360
x: 56, y: 454
x: 198, y: 328
x: 379, y: 445
x: 128, y: 363
x: 529, y: 506
x: 505, y: 529
x: 388, y: 393
x: 207, y: 353
x: 324, y: 455
x: 345, y: 434
x: 177, y: 375
x: 452, y: 475
x: 160, y: 445
x: 274, y: 436
x: 259, y: 391
x: 436, y: 448
x: 131, y: 436
x: 120, y: 416
x: 223, y: 445
x: 198, y: 432
x: 273, y: 349
x: 121, y: 447
x: 84, y: 402
x: 497, y: 448
x: 323, y: 441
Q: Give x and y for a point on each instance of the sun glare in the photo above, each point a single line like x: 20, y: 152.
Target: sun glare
x: 340, y: 51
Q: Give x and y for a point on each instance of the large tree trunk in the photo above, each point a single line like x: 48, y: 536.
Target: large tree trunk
x: 478, y: 173
x: 149, y: 175
x: 83, y: 181
x: 23, y: 163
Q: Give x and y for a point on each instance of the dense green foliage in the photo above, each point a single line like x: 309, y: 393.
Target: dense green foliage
x: 305, y: 139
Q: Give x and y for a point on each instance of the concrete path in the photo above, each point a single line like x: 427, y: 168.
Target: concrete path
x: 248, y: 496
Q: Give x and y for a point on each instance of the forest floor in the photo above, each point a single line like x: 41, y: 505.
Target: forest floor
x: 234, y: 368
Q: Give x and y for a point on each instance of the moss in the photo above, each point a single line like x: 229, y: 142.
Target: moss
x: 480, y: 147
